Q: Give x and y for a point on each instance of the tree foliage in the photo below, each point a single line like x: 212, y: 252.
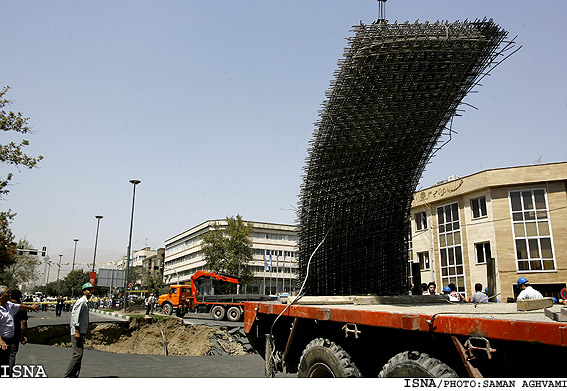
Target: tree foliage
x: 23, y: 268
x: 153, y: 282
x: 12, y: 154
x: 228, y: 249
x: 7, y: 245
x: 69, y: 286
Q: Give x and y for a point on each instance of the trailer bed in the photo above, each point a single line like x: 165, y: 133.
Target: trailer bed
x: 490, y: 320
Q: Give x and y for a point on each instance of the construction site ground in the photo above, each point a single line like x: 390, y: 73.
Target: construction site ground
x: 117, y: 347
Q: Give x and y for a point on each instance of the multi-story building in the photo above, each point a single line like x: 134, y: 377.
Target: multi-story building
x: 155, y: 263
x: 137, y: 257
x: 493, y: 227
x: 274, y: 248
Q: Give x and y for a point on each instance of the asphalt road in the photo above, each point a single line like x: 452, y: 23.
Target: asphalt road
x: 104, y: 364
x: 48, y: 318
x: 207, y: 319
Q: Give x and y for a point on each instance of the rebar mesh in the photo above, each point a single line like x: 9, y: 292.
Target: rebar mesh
x: 394, y: 93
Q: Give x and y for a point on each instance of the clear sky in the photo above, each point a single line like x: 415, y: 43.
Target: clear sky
x: 211, y: 104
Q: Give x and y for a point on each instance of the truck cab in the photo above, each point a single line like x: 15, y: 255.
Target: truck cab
x: 176, y: 295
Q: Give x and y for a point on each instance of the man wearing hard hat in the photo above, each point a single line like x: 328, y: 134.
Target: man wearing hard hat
x: 527, y: 292
x: 79, y: 328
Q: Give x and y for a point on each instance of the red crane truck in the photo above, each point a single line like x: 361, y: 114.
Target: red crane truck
x: 183, y: 298
x: 405, y: 336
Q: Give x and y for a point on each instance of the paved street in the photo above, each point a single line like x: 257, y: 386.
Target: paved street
x: 104, y: 364
x: 193, y: 318
x: 48, y: 318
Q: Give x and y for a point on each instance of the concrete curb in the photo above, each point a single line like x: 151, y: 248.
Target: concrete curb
x: 113, y: 314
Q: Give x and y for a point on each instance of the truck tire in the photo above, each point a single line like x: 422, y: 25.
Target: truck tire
x: 323, y: 358
x: 415, y: 364
x: 218, y: 312
x: 167, y: 309
x: 233, y: 314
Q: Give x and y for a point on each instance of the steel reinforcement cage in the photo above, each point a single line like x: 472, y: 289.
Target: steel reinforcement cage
x: 395, y: 92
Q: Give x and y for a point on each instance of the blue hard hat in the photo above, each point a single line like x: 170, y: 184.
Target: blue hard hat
x: 447, y: 290
x: 554, y: 300
x: 522, y: 280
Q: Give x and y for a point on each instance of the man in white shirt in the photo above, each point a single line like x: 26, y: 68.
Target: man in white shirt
x: 79, y: 328
x: 527, y: 292
x: 7, y: 325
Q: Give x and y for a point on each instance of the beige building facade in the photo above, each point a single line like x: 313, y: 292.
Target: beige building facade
x: 493, y: 227
x: 137, y: 257
x: 274, y: 248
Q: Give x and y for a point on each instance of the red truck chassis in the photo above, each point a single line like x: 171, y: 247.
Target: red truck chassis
x: 437, y: 339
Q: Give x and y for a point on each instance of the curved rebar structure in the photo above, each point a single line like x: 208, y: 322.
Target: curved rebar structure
x: 395, y: 91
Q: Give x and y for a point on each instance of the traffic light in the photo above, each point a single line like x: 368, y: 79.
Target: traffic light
x: 150, y: 266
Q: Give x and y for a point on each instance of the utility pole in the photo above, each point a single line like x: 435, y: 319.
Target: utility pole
x: 74, y: 255
x: 96, y: 240
x: 133, y: 182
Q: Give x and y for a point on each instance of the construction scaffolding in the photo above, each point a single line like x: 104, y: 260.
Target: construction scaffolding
x: 394, y: 96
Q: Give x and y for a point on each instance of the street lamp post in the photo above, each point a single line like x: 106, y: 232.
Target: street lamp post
x: 133, y: 182
x: 48, y: 270
x: 96, y: 239
x: 177, y: 274
x: 58, y: 270
x: 74, y: 255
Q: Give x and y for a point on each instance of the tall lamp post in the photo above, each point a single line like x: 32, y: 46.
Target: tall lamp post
x: 74, y: 255
x: 96, y: 239
x: 134, y: 182
x: 58, y: 270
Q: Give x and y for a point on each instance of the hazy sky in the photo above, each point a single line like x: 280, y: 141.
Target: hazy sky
x: 211, y: 104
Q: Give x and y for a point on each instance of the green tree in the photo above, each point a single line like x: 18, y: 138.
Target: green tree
x: 71, y: 284
x: 12, y: 154
x: 136, y: 275
x: 153, y: 282
x: 229, y: 249
x: 7, y: 245
x: 24, y: 268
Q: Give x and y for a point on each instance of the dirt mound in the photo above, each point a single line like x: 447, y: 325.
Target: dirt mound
x: 167, y: 336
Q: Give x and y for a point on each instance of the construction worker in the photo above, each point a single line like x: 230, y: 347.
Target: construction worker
x: 527, y: 292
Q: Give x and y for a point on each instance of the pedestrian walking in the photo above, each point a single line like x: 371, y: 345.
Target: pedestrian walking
x: 79, y: 328
x: 9, y: 342
x: 59, y: 305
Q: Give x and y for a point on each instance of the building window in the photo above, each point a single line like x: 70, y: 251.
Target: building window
x: 450, y: 248
x: 532, y: 230
x: 420, y: 221
x: 423, y: 260
x: 483, y: 253
x: 478, y: 206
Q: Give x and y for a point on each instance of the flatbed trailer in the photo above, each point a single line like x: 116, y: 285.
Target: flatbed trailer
x: 405, y: 336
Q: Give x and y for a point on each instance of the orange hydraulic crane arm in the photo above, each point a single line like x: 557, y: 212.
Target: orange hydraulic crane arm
x: 216, y: 276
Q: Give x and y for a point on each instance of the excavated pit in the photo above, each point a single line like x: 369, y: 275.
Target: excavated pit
x: 151, y: 336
